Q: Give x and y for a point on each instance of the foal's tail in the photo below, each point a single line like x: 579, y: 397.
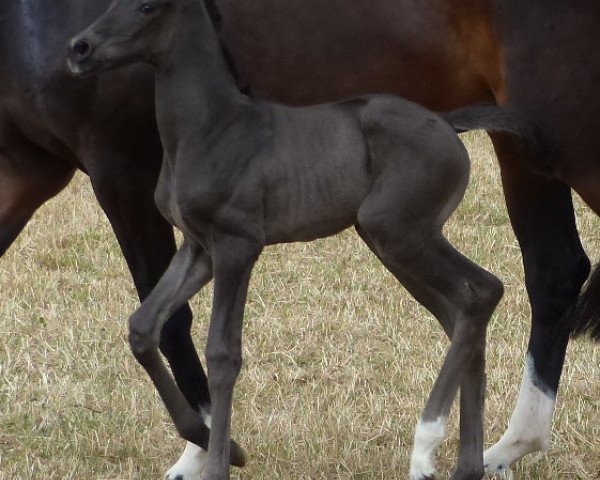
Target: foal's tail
x: 586, y: 317
x: 502, y: 120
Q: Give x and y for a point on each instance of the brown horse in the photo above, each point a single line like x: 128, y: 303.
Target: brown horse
x: 440, y: 53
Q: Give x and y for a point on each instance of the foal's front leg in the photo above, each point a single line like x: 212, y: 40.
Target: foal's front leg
x: 233, y: 260
x: 189, y: 271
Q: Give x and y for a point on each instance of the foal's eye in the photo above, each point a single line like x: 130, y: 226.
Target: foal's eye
x: 147, y: 8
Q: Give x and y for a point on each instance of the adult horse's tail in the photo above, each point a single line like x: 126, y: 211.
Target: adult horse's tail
x: 502, y: 120
x: 586, y: 317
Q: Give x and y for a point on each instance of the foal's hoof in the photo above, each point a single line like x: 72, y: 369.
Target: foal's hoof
x: 237, y: 456
x: 461, y: 475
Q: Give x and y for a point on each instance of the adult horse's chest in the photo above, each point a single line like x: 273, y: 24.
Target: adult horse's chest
x: 33, y: 36
x: 36, y: 92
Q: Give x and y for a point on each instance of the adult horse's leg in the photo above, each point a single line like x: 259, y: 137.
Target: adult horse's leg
x: 541, y: 213
x: 28, y: 177
x: 148, y: 245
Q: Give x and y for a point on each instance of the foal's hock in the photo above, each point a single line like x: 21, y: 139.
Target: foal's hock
x: 239, y: 174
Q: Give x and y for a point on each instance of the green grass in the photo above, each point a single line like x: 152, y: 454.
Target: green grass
x: 338, y: 358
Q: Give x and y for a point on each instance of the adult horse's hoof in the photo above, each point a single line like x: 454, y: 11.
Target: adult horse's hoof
x: 497, y: 463
x: 430, y: 474
x: 190, y: 465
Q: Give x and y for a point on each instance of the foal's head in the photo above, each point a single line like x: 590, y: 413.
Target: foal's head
x: 129, y: 31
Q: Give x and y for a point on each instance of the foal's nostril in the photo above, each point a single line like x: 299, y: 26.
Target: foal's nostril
x: 82, y: 48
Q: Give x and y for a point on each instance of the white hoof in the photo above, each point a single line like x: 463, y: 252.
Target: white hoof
x: 497, y: 463
x: 428, y: 436
x: 190, y: 465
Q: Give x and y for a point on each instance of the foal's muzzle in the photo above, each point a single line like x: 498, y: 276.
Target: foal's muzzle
x: 80, y: 50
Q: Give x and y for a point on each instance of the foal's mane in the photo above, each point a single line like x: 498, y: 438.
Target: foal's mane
x: 214, y: 13
x: 216, y: 18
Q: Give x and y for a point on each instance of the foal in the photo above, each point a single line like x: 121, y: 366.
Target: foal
x: 239, y: 174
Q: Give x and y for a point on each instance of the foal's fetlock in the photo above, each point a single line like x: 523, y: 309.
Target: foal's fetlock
x: 466, y: 476
x: 214, y: 473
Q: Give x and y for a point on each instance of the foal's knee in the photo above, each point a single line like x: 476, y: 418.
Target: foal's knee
x: 143, y: 342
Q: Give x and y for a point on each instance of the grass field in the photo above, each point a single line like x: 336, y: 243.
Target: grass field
x: 338, y: 358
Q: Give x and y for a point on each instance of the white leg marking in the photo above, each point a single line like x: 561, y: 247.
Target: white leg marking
x: 191, y: 463
x: 428, y: 436
x: 529, y: 428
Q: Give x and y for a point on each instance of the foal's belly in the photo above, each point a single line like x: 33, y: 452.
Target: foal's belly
x: 310, y: 206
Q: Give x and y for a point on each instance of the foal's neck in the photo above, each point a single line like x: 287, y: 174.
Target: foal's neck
x: 194, y: 87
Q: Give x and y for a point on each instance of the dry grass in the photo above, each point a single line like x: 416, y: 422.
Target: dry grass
x: 338, y: 358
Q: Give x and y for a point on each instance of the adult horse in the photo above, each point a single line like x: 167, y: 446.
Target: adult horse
x: 439, y: 53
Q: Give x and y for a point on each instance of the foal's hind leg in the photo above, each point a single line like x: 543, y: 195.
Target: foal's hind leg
x: 462, y: 296
x: 401, y: 220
